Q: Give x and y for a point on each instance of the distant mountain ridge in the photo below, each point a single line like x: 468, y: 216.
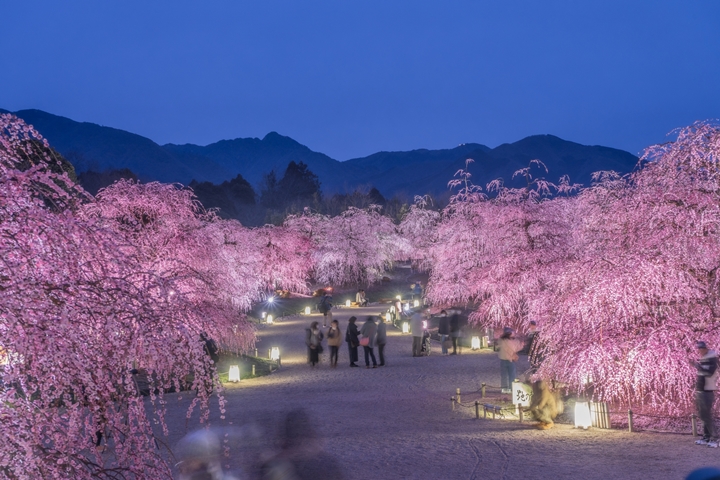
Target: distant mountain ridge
x: 93, y: 147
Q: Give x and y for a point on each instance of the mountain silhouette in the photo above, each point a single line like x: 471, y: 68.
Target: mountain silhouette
x: 92, y: 147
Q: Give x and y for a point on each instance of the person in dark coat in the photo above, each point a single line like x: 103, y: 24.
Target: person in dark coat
x: 369, y: 331
x: 444, y: 331
x: 351, y: 337
x: 455, y: 332
x: 381, y: 340
x: 705, y: 386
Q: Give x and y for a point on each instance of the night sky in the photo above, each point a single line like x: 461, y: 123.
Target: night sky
x: 349, y: 78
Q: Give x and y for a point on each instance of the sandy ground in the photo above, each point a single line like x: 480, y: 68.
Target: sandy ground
x: 396, y: 422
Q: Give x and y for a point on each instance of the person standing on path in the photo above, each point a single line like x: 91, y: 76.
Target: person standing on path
x: 455, y: 332
x: 351, y: 337
x: 325, y: 307
x: 313, y: 339
x: 334, y: 340
x: 368, y: 332
x: 508, y: 346
x: 416, y: 328
x: 381, y: 340
x: 444, y: 331
x: 705, y: 386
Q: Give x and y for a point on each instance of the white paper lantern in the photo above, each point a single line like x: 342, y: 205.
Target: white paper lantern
x: 406, y: 327
x: 348, y: 303
x: 275, y: 353
x: 582, y: 415
x: 521, y: 394
x: 406, y: 307
x: 388, y: 317
x: 416, y: 303
x: 269, y: 319
x: 263, y: 314
x: 475, y: 343
x: 234, y: 375
x: 307, y: 310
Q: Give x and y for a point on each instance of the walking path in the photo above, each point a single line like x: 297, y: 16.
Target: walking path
x: 396, y: 422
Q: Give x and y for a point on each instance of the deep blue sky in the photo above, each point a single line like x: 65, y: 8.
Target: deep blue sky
x: 349, y: 78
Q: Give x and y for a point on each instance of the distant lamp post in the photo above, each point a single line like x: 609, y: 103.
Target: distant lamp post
x: 475, y: 343
x: 307, y: 310
x: 582, y: 415
x: 234, y: 374
x: 269, y: 319
x: 275, y: 353
x: 406, y: 327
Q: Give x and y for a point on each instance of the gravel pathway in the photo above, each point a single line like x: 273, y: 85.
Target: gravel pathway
x: 396, y: 422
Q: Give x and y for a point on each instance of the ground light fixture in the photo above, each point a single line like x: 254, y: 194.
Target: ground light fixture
x: 307, y: 310
x: 348, y: 303
x: 269, y: 319
x: 582, y: 415
x: 406, y: 307
x: 486, y: 341
x: 406, y: 327
x: 475, y: 343
x: 416, y: 303
x: 275, y: 353
x: 388, y: 317
x: 263, y: 315
x: 234, y: 374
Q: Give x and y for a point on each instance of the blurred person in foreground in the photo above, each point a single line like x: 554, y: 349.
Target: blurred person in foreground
x: 301, y: 456
x: 200, y: 454
x: 544, y: 406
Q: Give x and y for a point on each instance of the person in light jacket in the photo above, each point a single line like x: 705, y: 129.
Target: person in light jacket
x: 508, y: 348
x: 381, y: 340
x: 369, y: 331
x: 705, y: 386
x: 351, y: 337
x: 334, y: 340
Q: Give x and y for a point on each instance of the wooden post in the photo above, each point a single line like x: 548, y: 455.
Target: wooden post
x: 484, y: 411
x: 520, y: 412
x: 477, y: 409
x: 693, y: 421
x: 279, y: 361
x: 452, y: 403
x: 256, y: 353
x: 253, y: 370
x: 457, y: 393
x: 630, y: 421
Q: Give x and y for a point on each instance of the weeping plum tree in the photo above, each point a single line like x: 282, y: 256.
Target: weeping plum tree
x: 356, y: 247
x: 623, y: 276
x: 643, y: 284
x: 89, y: 288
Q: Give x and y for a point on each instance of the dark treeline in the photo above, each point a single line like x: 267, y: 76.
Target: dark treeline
x: 297, y: 189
